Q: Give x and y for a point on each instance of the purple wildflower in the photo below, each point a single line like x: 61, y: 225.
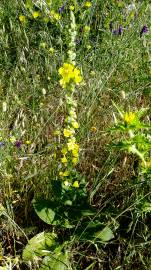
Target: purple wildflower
x: 61, y: 9
x: 117, y: 31
x: 144, y: 30
x: 120, y: 30
x: 18, y: 144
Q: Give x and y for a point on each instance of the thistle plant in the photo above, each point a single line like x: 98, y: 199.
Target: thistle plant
x: 70, y: 77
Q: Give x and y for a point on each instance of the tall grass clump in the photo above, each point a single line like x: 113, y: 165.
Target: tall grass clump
x: 75, y: 136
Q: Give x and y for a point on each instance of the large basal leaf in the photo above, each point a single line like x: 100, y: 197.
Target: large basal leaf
x: 45, y: 210
x: 104, y: 235
x: 58, y: 261
x: 39, y: 245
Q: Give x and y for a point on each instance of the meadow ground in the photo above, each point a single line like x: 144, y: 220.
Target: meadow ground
x: 75, y: 139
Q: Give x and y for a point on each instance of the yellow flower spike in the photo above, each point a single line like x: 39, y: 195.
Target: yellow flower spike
x: 129, y: 117
x: 68, y: 132
x: 22, y: 18
x: 75, y: 124
x: 36, y: 14
x: 88, y: 4
x: 64, y: 160
x: 76, y: 184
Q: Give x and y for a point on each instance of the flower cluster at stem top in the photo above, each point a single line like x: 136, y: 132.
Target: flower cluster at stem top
x: 69, y: 74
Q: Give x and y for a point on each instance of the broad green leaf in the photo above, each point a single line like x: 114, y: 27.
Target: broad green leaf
x: 44, y: 209
x: 58, y: 261
x: 39, y: 245
x: 104, y: 235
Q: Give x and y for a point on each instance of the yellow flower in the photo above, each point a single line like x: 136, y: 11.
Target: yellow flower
x: 75, y: 124
x: 12, y: 139
x: 71, y: 7
x: 22, y: 18
x: 129, y: 117
x: 66, y: 183
x: 72, y: 145
x: 36, y: 14
x: 68, y: 132
x: 88, y: 4
x: 63, y: 174
x: 93, y: 129
x: 86, y: 29
x: 74, y: 160
x: 69, y: 73
x: 77, y: 76
x: 55, y: 15
x: 75, y: 153
x: 28, y: 142
x: 64, y: 151
x: 64, y: 160
x: 51, y: 50
x: 76, y: 184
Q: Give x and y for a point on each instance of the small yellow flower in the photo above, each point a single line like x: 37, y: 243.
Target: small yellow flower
x: 68, y: 132
x: 12, y: 139
x: 86, y: 29
x: 88, y: 4
x: 66, y: 173
x: 64, y: 160
x: 76, y: 184
x: 64, y: 151
x: 89, y: 47
x: 36, y: 14
x: 129, y: 117
x: 74, y: 160
x: 57, y: 16
x: 75, y: 124
x: 75, y: 153
x: 69, y: 73
x: 66, y: 183
x: 28, y: 142
x: 71, y: 7
x: 51, y: 50
x: 22, y: 18
x: 93, y: 129
x: 60, y: 173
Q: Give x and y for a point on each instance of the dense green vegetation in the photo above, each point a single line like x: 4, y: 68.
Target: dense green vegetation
x: 75, y: 135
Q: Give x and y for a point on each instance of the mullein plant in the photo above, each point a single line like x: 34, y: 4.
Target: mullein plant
x: 70, y: 78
